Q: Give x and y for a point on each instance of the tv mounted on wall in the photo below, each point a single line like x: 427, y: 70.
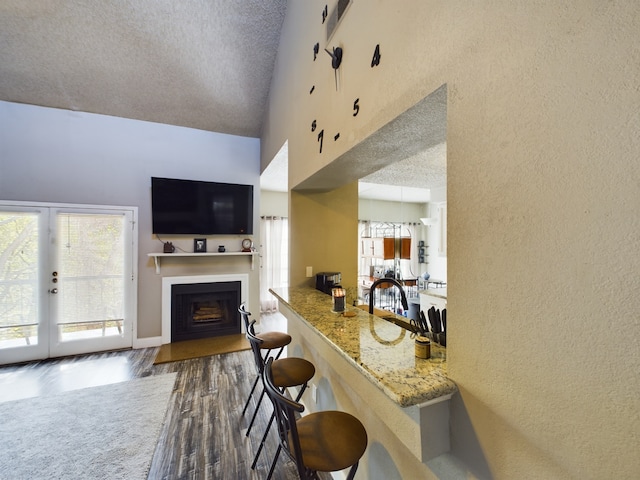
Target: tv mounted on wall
x: 193, y: 207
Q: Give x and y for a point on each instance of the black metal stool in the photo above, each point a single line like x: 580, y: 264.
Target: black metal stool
x: 270, y: 341
x: 286, y: 372
x: 326, y: 441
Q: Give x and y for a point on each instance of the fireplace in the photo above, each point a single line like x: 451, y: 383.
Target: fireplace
x: 200, y: 310
x: 202, y: 306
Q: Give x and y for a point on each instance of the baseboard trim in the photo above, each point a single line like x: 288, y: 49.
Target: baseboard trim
x: 147, y: 342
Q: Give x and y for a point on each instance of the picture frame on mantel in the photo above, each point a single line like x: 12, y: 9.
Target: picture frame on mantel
x: 199, y: 245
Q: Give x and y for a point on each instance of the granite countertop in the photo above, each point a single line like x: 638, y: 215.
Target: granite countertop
x: 382, y: 351
x: 435, y: 292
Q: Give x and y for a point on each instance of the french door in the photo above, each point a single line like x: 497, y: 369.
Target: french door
x: 67, y: 280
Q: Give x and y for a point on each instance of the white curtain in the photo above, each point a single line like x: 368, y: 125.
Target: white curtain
x: 274, y: 268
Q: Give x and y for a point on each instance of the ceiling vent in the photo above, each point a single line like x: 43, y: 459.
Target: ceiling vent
x: 333, y: 20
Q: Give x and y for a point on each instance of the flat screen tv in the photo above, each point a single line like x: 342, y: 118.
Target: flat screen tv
x: 194, y: 207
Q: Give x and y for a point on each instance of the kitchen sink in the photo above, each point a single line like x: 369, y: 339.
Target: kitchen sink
x: 400, y: 322
x: 390, y: 317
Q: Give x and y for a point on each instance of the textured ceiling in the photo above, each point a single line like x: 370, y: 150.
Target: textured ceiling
x: 409, y: 151
x: 204, y: 64
x: 403, y: 161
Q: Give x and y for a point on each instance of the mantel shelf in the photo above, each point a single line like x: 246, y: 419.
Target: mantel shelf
x: 158, y: 256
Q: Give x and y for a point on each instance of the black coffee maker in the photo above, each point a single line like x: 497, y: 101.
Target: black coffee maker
x: 325, y: 281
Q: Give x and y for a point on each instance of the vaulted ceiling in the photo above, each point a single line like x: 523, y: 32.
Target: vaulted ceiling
x: 205, y: 64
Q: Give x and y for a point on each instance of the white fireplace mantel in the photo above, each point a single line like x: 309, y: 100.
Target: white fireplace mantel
x: 157, y: 256
x: 168, y: 282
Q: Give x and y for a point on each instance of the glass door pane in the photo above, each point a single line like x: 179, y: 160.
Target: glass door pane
x: 67, y: 280
x: 90, y: 265
x: 23, y: 333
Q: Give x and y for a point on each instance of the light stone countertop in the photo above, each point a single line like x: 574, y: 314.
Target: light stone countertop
x: 382, y: 351
x: 435, y: 292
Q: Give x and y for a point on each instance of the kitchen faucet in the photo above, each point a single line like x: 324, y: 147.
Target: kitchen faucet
x: 403, y: 297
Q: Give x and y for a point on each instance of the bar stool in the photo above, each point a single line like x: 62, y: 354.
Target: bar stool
x: 287, y: 372
x: 326, y: 441
x: 270, y: 341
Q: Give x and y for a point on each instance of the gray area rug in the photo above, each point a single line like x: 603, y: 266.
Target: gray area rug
x: 106, y: 432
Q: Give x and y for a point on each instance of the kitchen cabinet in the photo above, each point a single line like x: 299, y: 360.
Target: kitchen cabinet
x: 397, y: 248
x: 386, y: 248
x: 405, y: 248
x: 371, y: 247
x: 389, y: 248
x: 385, y: 255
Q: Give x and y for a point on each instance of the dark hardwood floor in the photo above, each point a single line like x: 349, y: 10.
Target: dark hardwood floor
x: 204, y: 432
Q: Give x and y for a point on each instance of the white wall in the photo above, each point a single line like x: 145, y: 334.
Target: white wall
x: 437, y: 266
x: 543, y: 228
x: 274, y: 203
x: 53, y: 155
x: 386, y: 211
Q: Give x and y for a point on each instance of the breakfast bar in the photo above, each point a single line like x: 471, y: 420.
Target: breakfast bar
x: 367, y: 366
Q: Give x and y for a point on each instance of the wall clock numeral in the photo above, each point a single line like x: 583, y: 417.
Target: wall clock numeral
x: 320, y: 138
x: 375, y: 61
x: 313, y: 126
x: 316, y: 49
x: 325, y: 13
x: 336, y: 136
x: 356, y: 107
x: 312, y: 89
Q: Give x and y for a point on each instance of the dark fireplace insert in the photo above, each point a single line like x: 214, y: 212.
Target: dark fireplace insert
x: 201, y: 310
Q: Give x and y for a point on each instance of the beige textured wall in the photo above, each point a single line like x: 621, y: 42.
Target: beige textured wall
x: 322, y: 228
x: 543, y: 189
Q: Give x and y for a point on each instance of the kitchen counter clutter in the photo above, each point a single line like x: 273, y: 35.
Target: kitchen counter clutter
x: 382, y: 351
